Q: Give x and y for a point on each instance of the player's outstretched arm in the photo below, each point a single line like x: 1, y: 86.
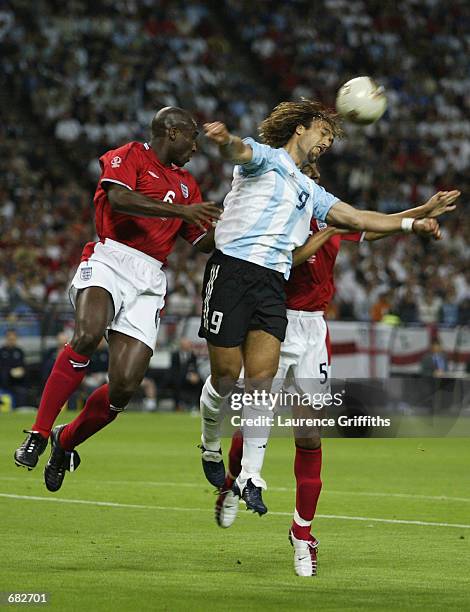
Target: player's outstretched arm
x: 315, y: 242
x: 230, y: 146
x: 346, y: 216
x: 124, y: 200
x: 440, y: 203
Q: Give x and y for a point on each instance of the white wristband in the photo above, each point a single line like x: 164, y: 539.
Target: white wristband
x: 407, y: 224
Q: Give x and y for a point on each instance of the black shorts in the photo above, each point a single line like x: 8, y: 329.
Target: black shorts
x: 239, y: 296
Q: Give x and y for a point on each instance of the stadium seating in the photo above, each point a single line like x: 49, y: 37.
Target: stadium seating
x: 86, y: 85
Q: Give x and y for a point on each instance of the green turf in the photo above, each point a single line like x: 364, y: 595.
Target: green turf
x: 92, y: 557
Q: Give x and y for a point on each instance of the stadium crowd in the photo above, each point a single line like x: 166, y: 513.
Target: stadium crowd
x: 84, y: 77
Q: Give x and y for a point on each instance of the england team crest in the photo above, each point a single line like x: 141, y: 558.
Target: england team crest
x: 85, y: 273
x: 184, y: 190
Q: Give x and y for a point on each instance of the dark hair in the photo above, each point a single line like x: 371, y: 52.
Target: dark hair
x: 278, y: 128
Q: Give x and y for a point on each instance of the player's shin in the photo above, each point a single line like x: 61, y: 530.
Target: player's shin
x: 258, y: 421
x: 210, y: 404
x: 235, y: 455
x: 96, y: 414
x: 65, y: 378
x: 211, y: 456
x: 307, y: 468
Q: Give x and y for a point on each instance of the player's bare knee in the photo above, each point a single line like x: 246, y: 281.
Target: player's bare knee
x: 86, y: 341
x: 260, y: 377
x: 121, y: 390
x: 224, y: 377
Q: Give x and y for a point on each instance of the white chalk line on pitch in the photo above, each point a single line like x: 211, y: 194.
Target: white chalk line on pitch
x: 192, y: 485
x: 340, y: 517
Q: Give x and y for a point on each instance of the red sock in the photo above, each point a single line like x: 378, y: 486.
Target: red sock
x: 235, y: 455
x: 94, y: 416
x: 307, y: 468
x: 65, y: 378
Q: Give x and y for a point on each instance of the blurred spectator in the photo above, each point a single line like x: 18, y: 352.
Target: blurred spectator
x: 232, y: 62
x: 449, y: 309
x: 149, y: 389
x: 435, y: 363
x: 184, y: 376
x: 13, y: 368
x: 50, y: 356
x: 382, y: 306
x: 464, y: 312
x: 428, y: 307
x: 406, y: 309
x: 97, y: 371
x: 180, y: 302
x: 332, y: 311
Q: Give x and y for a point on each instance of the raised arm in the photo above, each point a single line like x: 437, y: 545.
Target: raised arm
x: 346, y: 216
x: 440, y: 203
x: 130, y: 202
x: 231, y: 147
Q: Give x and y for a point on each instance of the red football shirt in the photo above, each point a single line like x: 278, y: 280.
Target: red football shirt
x: 311, y: 284
x: 137, y: 167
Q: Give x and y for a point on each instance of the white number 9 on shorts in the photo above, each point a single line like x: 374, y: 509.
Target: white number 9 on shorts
x: 216, y: 321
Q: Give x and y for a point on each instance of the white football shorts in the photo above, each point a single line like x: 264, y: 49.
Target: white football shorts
x: 305, y: 361
x: 136, y: 283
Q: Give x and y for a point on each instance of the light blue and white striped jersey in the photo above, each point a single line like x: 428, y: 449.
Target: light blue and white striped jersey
x: 267, y: 212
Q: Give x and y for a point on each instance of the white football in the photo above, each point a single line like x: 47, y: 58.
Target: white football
x: 361, y: 100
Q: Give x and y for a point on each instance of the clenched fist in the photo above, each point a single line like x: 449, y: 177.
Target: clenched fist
x: 217, y: 132
x: 427, y: 227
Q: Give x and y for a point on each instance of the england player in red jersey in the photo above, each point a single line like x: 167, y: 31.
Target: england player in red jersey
x: 143, y: 201
x: 305, y: 358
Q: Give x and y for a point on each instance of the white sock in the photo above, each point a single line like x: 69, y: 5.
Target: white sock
x: 300, y: 521
x: 210, y: 404
x: 252, y: 462
x: 255, y: 440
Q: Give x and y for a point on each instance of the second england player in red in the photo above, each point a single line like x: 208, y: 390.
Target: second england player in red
x: 306, y: 357
x: 143, y: 201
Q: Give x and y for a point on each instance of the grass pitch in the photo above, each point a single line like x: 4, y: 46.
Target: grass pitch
x: 152, y: 543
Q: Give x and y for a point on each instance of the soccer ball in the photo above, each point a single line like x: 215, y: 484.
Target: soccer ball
x: 361, y: 100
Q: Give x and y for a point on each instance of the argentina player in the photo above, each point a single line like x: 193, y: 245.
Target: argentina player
x: 305, y: 360
x: 266, y: 216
